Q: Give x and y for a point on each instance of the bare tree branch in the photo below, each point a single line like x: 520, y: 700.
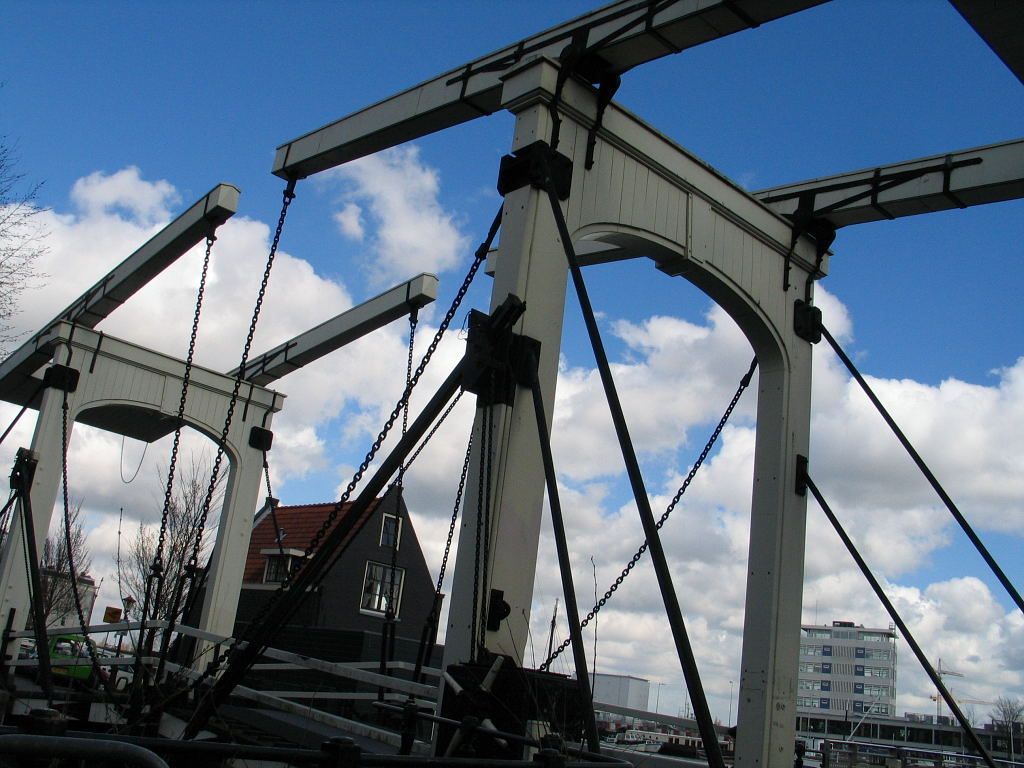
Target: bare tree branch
x: 58, y: 597
x: 22, y: 239
x: 183, y: 520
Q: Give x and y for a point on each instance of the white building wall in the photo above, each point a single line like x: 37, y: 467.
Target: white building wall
x: 621, y: 690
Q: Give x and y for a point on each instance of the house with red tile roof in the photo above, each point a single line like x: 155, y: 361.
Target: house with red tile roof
x: 343, y: 618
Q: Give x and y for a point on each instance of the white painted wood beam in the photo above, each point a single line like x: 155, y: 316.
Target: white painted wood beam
x: 960, y: 179
x: 341, y: 330
x: 623, y: 34
x: 117, y: 286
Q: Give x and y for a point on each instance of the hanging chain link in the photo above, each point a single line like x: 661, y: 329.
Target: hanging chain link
x: 101, y: 677
x: 478, y: 259
x: 192, y: 564
x: 455, y: 515
x: 186, y: 379
x: 435, y: 428
x: 744, y: 383
x: 286, y: 201
x: 273, y: 509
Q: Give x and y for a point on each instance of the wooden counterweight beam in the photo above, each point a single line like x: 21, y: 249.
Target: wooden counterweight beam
x: 960, y: 179
x: 341, y: 330
x: 218, y: 205
x: 620, y: 35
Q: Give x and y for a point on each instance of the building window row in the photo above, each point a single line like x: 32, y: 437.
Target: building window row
x: 814, y: 632
x: 813, y: 702
x: 815, y: 650
x: 873, y: 637
x: 814, y: 685
x: 861, y: 670
x: 871, y: 709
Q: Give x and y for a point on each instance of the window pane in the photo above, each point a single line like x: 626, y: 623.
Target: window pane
x: 381, y: 582
x: 389, y: 525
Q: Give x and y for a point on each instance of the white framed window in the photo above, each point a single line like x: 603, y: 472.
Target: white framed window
x: 280, y: 563
x: 380, y: 582
x: 390, y: 531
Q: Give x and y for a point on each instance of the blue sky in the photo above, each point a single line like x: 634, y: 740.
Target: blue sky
x: 197, y: 93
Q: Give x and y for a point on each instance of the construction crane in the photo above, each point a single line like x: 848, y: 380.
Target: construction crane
x: 942, y: 673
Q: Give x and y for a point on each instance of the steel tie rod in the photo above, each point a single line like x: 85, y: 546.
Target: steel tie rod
x: 643, y: 503
x: 804, y: 479
x: 936, y: 486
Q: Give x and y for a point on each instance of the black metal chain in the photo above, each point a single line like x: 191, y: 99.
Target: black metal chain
x: 273, y: 508
x: 436, y: 603
x: 287, y: 196
x: 479, y: 256
x: 387, y: 649
x: 413, y: 321
x: 744, y: 383
x: 157, y: 566
x: 191, y: 567
x: 435, y: 428
x: 101, y: 677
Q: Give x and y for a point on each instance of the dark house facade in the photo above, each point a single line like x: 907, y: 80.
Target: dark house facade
x: 343, y: 619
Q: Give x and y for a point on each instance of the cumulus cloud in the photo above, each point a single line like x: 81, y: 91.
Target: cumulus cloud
x: 147, y: 202
x: 399, y: 194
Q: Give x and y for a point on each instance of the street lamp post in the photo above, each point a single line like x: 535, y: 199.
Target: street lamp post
x: 730, y: 703
x: 657, y: 700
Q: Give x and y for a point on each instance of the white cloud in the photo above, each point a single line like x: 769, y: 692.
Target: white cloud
x: 350, y: 221
x: 144, y: 201
x: 413, y: 233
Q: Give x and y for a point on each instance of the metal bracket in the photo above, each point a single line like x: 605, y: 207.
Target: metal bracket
x: 261, y: 439
x: 498, y: 358
x: 24, y: 471
x: 807, y: 321
x: 61, y: 377
x: 536, y: 165
x: 801, y: 475
x: 497, y: 610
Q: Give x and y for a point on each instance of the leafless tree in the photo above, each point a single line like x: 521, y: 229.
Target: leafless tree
x: 184, y: 515
x: 55, y: 565
x: 1007, y: 712
x: 21, y: 240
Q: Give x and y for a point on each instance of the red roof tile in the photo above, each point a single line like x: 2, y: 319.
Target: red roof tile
x: 298, y: 524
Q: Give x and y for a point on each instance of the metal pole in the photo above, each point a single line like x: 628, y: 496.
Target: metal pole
x: 936, y: 680
x: 643, y: 503
x: 564, y: 564
x: 933, y: 481
x: 21, y: 482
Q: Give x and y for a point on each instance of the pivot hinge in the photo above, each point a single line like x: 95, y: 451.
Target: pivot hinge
x: 536, y: 165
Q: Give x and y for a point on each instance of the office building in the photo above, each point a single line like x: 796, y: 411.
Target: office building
x: 847, y: 670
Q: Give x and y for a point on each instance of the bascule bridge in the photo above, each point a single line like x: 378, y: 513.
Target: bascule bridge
x: 587, y: 182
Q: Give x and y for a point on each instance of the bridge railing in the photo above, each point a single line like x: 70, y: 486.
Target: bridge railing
x: 358, y: 681
x: 856, y: 754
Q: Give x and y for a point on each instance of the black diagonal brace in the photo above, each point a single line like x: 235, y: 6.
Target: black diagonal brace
x: 675, y: 615
x: 805, y: 480
x: 564, y: 563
